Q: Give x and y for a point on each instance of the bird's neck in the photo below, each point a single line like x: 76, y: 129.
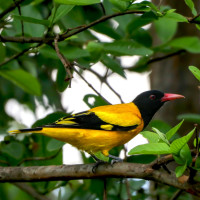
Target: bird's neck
x: 146, y: 112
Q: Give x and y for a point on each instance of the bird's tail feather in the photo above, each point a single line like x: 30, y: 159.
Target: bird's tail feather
x: 28, y: 130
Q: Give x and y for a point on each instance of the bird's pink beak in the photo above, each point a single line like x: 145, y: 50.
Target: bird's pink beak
x: 169, y: 97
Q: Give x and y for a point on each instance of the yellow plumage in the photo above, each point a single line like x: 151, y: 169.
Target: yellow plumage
x: 103, y: 138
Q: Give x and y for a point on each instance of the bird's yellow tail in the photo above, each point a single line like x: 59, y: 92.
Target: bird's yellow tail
x: 28, y: 130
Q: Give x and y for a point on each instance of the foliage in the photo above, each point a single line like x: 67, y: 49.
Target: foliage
x: 159, y: 144
x: 28, y: 63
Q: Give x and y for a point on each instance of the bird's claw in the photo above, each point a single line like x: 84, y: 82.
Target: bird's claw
x: 113, y: 161
x: 96, y: 165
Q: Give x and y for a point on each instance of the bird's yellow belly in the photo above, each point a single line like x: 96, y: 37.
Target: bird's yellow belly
x: 91, y: 140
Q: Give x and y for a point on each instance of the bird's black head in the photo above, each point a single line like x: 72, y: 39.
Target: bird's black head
x: 150, y: 102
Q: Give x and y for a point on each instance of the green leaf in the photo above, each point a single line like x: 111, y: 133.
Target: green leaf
x: 164, y: 32
x: 150, y: 148
x: 197, y: 163
x: 32, y: 20
x: 195, y: 71
x: 119, y: 48
x: 110, y: 63
x: 191, y: 44
x: 178, y: 144
x: 23, y: 80
x: 190, y: 4
x: 77, y: 2
x: 71, y: 52
x: 172, y: 131
x: 3, y: 52
x: 175, y: 17
x: 54, y: 144
x: 101, y: 156
x: 98, y: 101
x: 144, y: 159
x: 95, y: 49
x: 150, y: 136
x: 185, y: 154
x: 161, y: 135
x: 14, y: 150
x: 180, y: 170
x: 190, y: 117
x: 62, y: 84
x: 143, y: 37
x: 121, y: 5
x: 59, y: 11
x: 160, y: 125
x: 138, y: 22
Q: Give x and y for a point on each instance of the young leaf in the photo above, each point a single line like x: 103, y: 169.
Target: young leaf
x: 191, y: 44
x: 98, y: 101
x: 60, y: 79
x: 78, y: 2
x: 175, y: 17
x: 20, y: 78
x: 190, y: 117
x: 58, y: 12
x: 32, y: 20
x: 178, y: 144
x: 113, y: 65
x: 150, y: 148
x: 180, y: 170
x: 101, y: 156
x: 185, y: 154
x: 190, y: 4
x: 195, y: 71
x: 126, y: 48
x: 150, y: 136
x: 172, y: 131
x: 54, y: 144
x: 164, y: 32
x: 161, y: 135
x: 14, y: 150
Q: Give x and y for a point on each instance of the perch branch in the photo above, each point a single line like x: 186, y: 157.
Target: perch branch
x: 84, y: 171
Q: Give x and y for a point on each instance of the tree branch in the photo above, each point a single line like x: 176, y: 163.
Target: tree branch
x: 67, y: 34
x: 18, y: 54
x: 74, y: 172
x: 12, y: 7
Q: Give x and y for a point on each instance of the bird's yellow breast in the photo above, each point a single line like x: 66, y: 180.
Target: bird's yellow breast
x: 90, y: 140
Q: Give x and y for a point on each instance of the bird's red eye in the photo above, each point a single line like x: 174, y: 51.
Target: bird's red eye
x: 152, y: 97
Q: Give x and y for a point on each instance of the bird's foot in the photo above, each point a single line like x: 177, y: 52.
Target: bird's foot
x: 96, y: 165
x: 115, y: 159
x: 98, y: 162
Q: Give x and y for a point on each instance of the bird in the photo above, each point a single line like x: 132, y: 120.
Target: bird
x: 104, y: 127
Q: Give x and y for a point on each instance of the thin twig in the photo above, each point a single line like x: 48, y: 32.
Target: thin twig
x: 31, y: 191
x: 18, y: 54
x: 128, y: 189
x: 66, y: 34
x: 104, y: 80
x: 103, y: 8
x: 20, y: 13
x: 104, y: 189
x: 64, y: 61
x: 39, y: 158
x: 176, y: 194
x: 89, y: 85
x: 166, y: 56
x: 12, y: 7
x: 4, y: 162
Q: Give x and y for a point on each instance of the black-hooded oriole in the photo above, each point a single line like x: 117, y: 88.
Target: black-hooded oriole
x: 104, y: 127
